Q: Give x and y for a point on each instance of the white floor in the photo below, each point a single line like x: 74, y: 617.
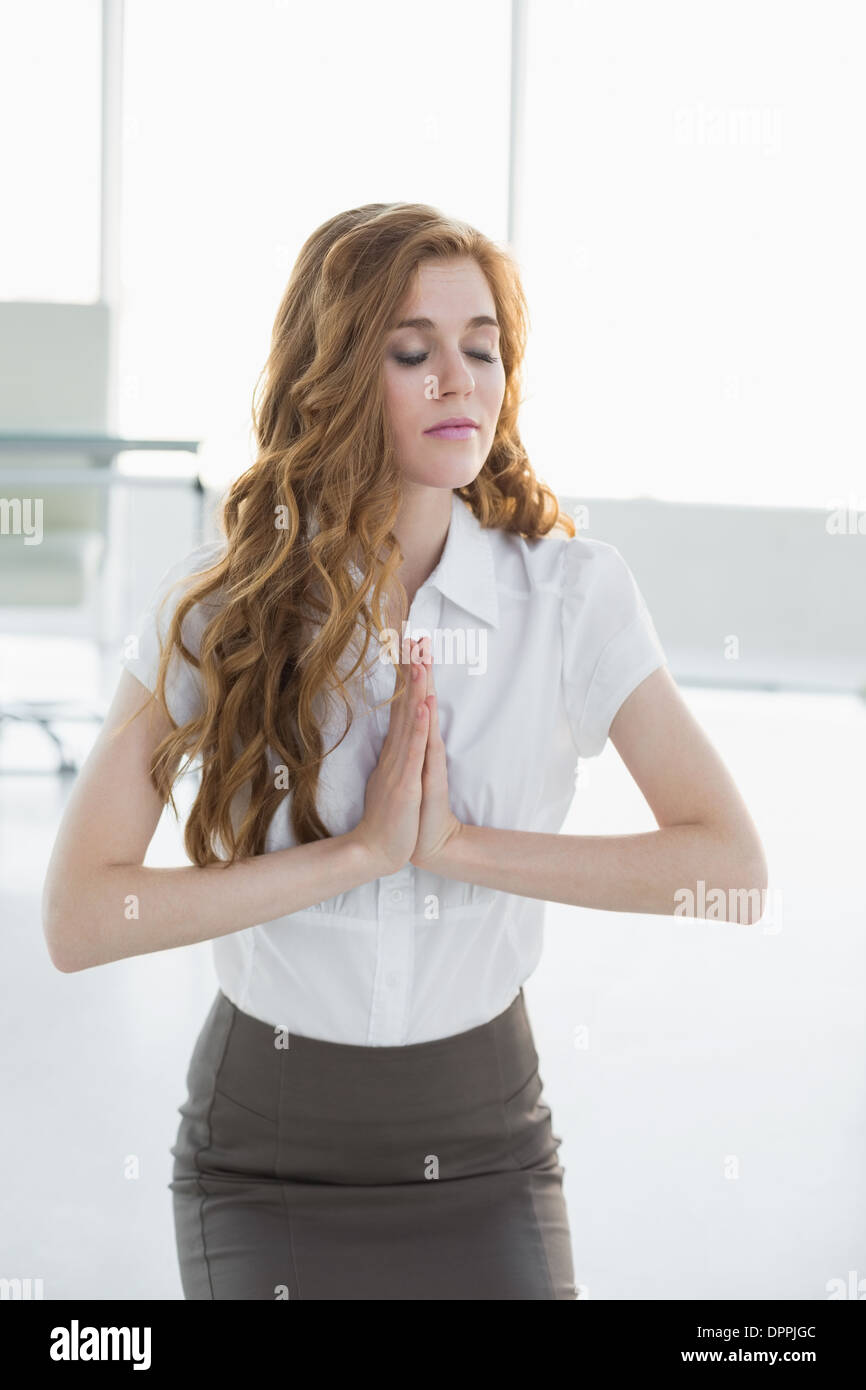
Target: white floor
x: 706, y: 1079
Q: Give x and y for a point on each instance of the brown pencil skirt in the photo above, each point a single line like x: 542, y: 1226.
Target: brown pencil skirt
x: 306, y: 1169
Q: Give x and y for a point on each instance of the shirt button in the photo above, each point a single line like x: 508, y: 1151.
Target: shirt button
x: 391, y: 979
x: 396, y: 895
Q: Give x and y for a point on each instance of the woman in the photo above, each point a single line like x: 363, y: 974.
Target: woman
x: 375, y: 830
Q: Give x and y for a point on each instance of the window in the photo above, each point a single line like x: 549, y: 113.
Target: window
x: 50, y: 114
x: 691, y: 228
x: 246, y: 127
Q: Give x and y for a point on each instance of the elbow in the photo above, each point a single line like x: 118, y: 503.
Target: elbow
x: 59, y: 953
x: 73, y: 925
x: 60, y: 963
x: 749, y: 897
x: 60, y: 935
x: 731, y: 886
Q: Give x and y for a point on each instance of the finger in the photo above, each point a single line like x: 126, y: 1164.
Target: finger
x: 426, y: 658
x: 416, y: 750
x: 422, y: 646
x: 431, y: 684
x: 434, y: 760
x: 414, y: 696
x: 401, y: 710
x: 433, y: 705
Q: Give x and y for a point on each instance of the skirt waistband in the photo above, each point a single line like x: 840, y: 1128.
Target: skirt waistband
x: 263, y: 1066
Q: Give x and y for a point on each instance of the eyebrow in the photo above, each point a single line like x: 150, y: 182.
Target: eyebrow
x: 479, y: 321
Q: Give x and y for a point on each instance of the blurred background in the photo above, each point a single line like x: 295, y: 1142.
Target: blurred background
x: 679, y: 185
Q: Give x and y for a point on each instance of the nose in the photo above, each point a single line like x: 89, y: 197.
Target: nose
x: 455, y: 378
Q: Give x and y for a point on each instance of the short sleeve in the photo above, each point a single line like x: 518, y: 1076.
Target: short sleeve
x: 143, y: 647
x: 609, y: 641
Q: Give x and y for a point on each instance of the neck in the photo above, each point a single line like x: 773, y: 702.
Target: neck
x: 422, y: 529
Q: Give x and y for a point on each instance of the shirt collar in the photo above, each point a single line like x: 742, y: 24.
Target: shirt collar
x: 466, y: 572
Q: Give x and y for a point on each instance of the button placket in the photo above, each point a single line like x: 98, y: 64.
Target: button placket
x: 394, y: 959
x: 395, y: 946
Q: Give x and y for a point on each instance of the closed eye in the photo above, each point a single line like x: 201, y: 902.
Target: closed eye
x: 418, y: 357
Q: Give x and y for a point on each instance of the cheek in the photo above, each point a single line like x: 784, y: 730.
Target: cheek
x: 401, y: 400
x: 496, y: 393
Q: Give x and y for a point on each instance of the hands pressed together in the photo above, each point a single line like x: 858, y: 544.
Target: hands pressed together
x: 407, y: 812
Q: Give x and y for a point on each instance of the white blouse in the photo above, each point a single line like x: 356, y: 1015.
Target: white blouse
x: 536, y: 644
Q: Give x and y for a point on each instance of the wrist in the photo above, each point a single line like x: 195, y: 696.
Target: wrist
x: 371, y: 863
x: 444, y: 859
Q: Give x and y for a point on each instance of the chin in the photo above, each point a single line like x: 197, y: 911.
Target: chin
x: 446, y: 474
x: 440, y: 480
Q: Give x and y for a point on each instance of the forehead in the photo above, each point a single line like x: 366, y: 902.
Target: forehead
x: 455, y: 289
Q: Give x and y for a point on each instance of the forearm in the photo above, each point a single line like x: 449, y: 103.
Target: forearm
x: 649, y: 872
x: 123, y: 910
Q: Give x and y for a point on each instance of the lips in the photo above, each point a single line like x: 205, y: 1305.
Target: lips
x: 458, y: 427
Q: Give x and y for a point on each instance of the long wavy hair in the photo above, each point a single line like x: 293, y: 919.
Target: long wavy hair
x: 323, y: 495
